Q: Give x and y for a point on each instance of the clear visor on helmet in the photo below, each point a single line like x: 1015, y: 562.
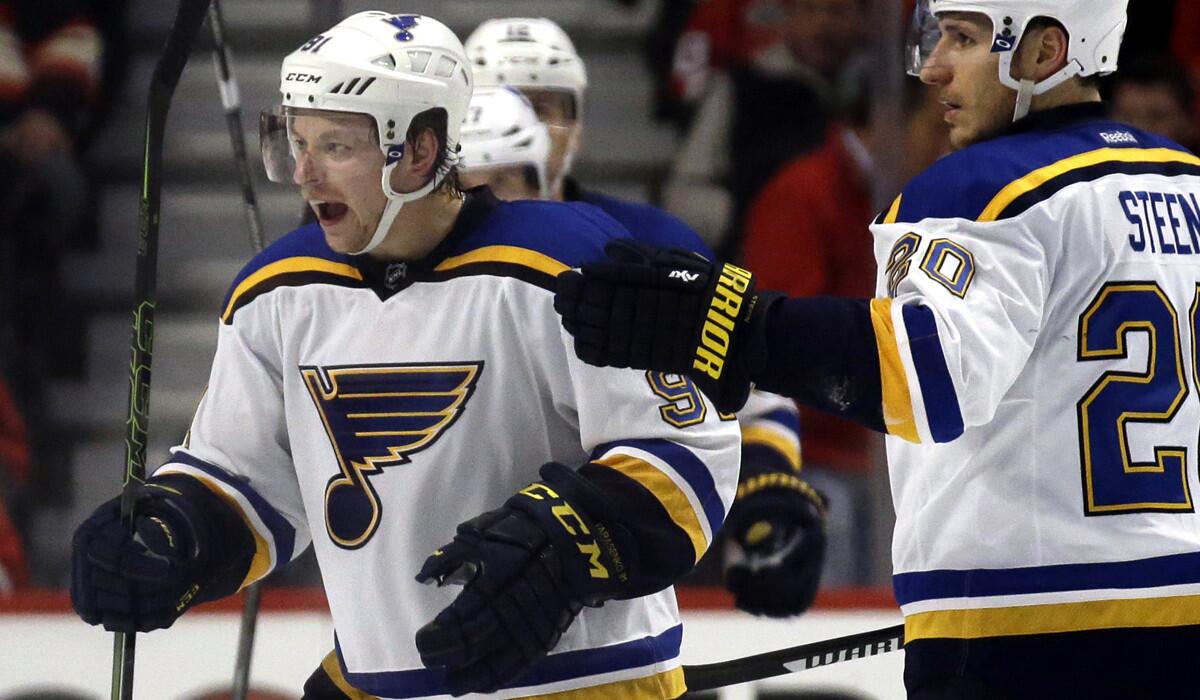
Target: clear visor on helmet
x: 923, y: 37
x: 292, y: 136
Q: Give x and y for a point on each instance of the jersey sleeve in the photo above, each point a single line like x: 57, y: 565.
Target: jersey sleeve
x: 659, y: 450
x: 958, y: 310
x: 238, y: 446
x: 770, y: 427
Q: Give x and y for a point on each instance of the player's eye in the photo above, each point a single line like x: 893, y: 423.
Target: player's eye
x: 961, y: 39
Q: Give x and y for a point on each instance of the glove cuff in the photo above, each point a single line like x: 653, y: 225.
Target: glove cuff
x: 756, y: 353
x: 563, y: 506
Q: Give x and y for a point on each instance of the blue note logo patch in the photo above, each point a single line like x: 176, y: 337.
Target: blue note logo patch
x: 376, y: 417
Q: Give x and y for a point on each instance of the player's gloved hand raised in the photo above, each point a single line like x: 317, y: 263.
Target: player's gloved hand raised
x: 143, y: 580
x: 670, y: 310
x: 776, y: 544
x: 527, y: 570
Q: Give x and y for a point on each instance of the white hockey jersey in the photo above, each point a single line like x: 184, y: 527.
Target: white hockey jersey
x: 1037, y: 323
x: 370, y: 408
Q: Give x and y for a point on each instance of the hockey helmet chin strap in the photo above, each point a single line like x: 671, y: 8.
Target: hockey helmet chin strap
x: 1027, y: 88
x: 396, y: 200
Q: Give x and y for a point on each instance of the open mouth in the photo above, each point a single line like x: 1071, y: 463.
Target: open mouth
x: 329, y: 213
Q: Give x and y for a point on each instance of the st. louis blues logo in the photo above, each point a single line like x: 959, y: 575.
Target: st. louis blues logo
x: 403, y: 23
x: 378, y: 416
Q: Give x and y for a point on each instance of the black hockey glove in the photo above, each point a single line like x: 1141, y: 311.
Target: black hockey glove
x: 527, y: 569
x: 668, y: 310
x: 143, y: 581
x: 776, y: 545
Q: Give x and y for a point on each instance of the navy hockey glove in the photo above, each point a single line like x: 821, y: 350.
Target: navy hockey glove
x: 144, y: 580
x: 776, y: 545
x: 527, y: 570
x: 669, y: 310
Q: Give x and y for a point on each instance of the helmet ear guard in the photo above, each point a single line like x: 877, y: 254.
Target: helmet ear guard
x: 391, y: 68
x: 1094, y: 28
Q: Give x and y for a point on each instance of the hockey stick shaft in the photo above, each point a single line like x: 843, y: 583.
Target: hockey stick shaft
x: 231, y: 101
x: 162, y: 89
x: 793, y: 659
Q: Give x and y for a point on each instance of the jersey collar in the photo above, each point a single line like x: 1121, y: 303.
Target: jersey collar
x: 386, y: 278
x: 1058, y: 117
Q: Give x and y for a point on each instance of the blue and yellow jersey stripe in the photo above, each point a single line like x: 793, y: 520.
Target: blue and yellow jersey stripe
x: 1005, y: 177
x: 274, y: 537
x: 678, y: 480
x: 287, y: 272
x: 777, y: 431
x: 966, y: 604
x: 910, y: 348
x: 532, y: 266
x: 649, y: 664
x: 298, y: 258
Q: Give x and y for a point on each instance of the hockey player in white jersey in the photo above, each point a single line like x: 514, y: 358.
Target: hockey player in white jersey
x: 775, y: 545
x: 1032, y: 355
x: 393, y: 386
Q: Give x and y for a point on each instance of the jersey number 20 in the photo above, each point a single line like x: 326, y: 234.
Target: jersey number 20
x: 1112, y: 481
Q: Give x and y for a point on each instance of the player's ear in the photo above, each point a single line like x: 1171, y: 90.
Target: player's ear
x: 424, y: 146
x: 1043, y: 51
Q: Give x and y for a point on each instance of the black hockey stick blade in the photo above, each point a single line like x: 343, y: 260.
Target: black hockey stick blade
x: 793, y: 659
x: 162, y: 88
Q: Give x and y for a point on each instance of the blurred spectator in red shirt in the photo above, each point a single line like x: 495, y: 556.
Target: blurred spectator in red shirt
x: 1155, y: 93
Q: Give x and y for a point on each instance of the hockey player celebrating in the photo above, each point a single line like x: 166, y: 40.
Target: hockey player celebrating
x: 776, y: 542
x: 1031, y: 355
x: 392, y: 382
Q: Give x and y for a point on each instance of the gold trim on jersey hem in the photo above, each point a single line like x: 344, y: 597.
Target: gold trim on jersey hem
x: 260, y: 565
x: 333, y: 669
x: 1052, y: 618
x: 1041, y: 176
x: 898, y: 417
x: 512, y: 255
x: 668, y: 493
x: 779, y: 440
x: 660, y: 686
x: 284, y: 267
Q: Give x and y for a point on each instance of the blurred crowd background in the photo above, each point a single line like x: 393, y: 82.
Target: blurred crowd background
x: 776, y: 128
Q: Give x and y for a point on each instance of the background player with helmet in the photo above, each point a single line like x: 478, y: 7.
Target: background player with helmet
x: 1031, y: 354
x: 395, y: 377
x: 776, y: 548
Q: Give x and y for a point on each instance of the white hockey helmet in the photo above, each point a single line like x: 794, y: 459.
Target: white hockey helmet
x: 502, y: 130
x: 528, y: 53
x: 1095, y: 29
x: 389, y: 67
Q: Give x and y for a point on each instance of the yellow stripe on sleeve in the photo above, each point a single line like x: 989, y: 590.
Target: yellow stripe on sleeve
x: 1053, y: 618
x: 779, y: 440
x: 897, y: 401
x: 288, y: 266
x: 673, y: 499
x: 505, y: 254
x: 1041, y: 176
x: 668, y: 684
x: 894, y: 212
x: 260, y: 565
